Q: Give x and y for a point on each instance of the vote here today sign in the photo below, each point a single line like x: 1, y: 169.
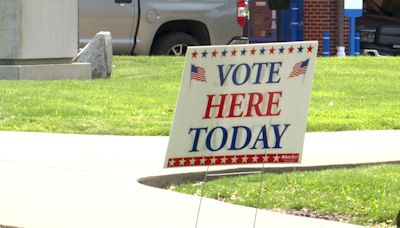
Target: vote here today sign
x: 242, y: 104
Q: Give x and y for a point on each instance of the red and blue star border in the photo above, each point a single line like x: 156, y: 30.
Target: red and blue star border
x: 251, y: 51
x: 233, y: 160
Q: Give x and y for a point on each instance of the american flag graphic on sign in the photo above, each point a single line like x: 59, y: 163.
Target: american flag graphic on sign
x: 299, y: 69
x: 198, y: 73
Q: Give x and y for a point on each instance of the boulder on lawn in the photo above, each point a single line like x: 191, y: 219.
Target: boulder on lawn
x: 98, y: 52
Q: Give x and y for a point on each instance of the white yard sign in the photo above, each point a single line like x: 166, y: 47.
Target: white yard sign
x: 243, y: 104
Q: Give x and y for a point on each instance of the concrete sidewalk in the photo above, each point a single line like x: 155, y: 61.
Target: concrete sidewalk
x: 59, y: 180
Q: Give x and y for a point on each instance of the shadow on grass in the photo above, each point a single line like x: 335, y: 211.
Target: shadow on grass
x: 165, y: 181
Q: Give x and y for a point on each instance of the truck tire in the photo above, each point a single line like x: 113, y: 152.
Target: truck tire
x: 174, y: 43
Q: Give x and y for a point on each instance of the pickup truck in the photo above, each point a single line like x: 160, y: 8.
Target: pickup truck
x: 162, y: 27
x: 379, y: 28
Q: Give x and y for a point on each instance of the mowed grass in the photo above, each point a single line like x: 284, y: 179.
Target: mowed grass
x: 348, y: 94
x: 138, y: 100
x: 355, y: 94
x: 365, y: 195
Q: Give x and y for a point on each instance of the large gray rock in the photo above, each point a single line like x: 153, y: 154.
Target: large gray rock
x: 98, y: 52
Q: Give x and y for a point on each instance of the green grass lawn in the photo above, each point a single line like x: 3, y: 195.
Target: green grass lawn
x: 365, y: 195
x: 355, y: 94
x: 348, y: 94
x: 138, y: 100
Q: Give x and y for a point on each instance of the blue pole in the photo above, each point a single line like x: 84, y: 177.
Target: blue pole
x: 294, y: 22
x: 357, y: 44
x: 352, y: 35
x: 326, y: 44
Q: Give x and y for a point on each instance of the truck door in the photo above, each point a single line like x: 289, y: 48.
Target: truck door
x: 116, y: 16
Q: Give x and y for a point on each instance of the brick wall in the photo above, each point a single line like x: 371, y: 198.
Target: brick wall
x: 321, y: 16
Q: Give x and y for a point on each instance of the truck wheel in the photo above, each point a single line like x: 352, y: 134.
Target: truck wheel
x: 174, y: 43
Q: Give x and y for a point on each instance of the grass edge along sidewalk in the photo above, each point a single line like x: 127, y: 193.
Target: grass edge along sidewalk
x: 348, y: 94
x: 365, y: 195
